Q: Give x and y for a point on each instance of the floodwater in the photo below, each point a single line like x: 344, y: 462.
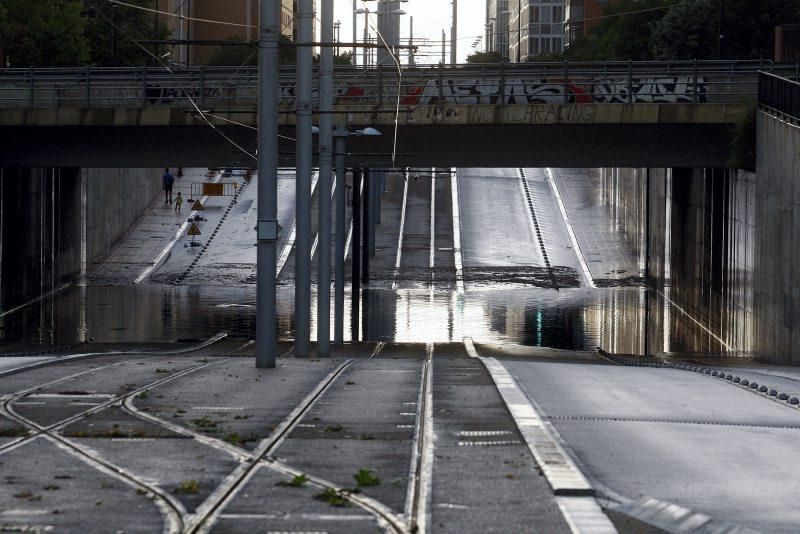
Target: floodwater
x: 615, y: 319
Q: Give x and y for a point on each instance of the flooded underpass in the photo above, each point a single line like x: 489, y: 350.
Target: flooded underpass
x: 561, y: 268
x: 576, y: 308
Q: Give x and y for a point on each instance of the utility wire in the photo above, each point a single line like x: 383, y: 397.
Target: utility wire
x: 399, y: 87
x: 176, y: 15
x: 186, y: 93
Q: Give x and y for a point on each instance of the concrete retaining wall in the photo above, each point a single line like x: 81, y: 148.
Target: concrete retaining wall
x: 694, y: 232
x: 44, y: 213
x: 40, y: 232
x: 777, y: 251
x: 115, y: 199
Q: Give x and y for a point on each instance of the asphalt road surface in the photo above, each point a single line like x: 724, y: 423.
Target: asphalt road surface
x: 678, y: 436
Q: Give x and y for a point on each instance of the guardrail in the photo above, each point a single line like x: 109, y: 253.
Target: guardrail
x: 779, y: 94
x: 500, y: 84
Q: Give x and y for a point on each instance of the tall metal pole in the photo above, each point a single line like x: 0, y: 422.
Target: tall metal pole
x: 268, y: 89
x: 341, y: 206
x: 304, y: 144
x: 411, y: 44
x: 454, y: 35
x: 325, y: 182
x: 721, y: 27
x: 444, y: 45
x: 366, y: 38
x: 355, y: 35
x: 366, y: 224
x: 355, y: 256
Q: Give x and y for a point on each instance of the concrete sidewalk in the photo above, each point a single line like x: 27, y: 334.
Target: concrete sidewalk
x: 606, y: 252
x: 142, y: 244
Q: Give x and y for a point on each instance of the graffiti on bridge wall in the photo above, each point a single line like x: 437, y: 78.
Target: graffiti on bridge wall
x: 164, y: 96
x: 541, y: 91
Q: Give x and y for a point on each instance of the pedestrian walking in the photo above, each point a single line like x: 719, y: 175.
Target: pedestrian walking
x: 168, y: 180
x: 178, y: 202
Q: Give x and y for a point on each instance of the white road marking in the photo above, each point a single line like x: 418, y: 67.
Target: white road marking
x: 577, y: 502
x: 420, y: 481
x: 488, y: 443
x: 583, y: 514
x: 168, y: 248
x: 289, y: 245
x: 22, y: 511
x: 459, y: 260
x: 315, y: 244
x: 570, y: 229
x: 432, y: 257
x: 399, y: 255
x: 482, y: 433
x: 70, y: 396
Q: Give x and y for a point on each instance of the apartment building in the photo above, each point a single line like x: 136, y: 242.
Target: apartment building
x: 497, y: 26
x: 582, y: 17
x: 535, y: 27
x: 244, y: 12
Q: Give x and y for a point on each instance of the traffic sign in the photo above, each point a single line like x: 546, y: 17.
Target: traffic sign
x: 193, y: 230
x: 197, y: 206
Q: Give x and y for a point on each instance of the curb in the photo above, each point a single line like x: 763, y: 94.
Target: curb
x: 572, y: 491
x: 764, y: 391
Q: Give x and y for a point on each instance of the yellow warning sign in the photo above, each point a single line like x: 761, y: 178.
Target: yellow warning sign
x: 193, y: 230
x: 197, y: 206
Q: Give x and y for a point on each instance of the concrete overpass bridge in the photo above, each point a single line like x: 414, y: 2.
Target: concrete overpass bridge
x: 633, y: 114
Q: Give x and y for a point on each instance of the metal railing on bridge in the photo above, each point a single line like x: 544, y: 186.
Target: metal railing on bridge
x: 497, y: 84
x: 780, y: 94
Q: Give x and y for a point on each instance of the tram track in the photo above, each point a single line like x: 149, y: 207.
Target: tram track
x: 420, y: 480
x: 206, y: 515
x: 178, y: 519
x: 536, y: 228
x: 171, y: 509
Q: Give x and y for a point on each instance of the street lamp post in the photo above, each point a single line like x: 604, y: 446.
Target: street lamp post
x: 365, y: 12
x: 454, y: 35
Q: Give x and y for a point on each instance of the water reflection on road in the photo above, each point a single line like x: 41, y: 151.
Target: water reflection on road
x: 580, y: 319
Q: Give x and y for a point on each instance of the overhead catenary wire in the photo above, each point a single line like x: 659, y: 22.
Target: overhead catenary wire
x: 182, y: 17
x: 399, y: 87
x: 168, y: 69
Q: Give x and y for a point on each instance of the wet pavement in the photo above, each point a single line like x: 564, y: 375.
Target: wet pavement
x: 680, y: 437
x: 400, y: 428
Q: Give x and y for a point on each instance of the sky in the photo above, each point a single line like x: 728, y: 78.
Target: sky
x: 430, y: 18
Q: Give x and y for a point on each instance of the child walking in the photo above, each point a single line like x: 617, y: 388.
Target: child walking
x: 178, y: 202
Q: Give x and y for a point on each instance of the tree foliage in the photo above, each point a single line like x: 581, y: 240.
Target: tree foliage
x: 45, y: 33
x: 485, y: 57
x: 685, y: 30
x: 112, y: 32
x: 70, y: 33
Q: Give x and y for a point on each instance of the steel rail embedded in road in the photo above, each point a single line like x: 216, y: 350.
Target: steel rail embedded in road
x: 420, y: 480
x: 534, y: 221
x: 208, y: 512
x: 172, y: 510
